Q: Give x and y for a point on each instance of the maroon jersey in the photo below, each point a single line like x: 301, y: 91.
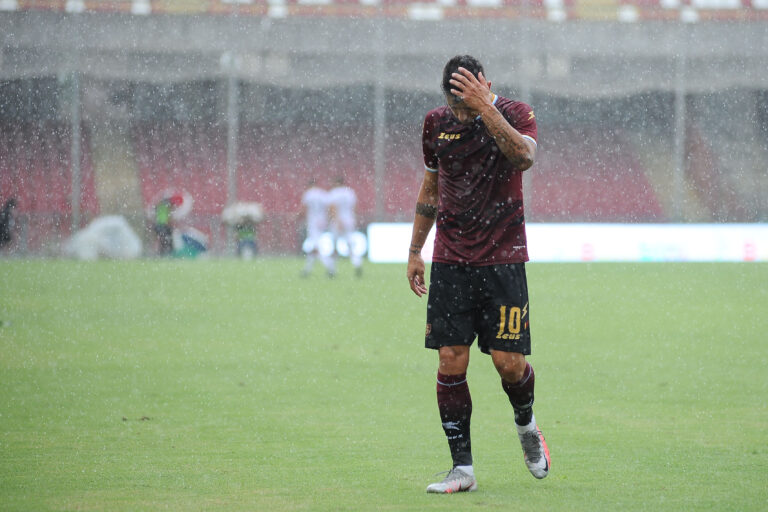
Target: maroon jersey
x: 480, y: 210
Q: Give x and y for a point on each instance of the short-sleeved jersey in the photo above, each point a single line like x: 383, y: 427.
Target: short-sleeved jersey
x: 343, y: 199
x: 315, y: 201
x: 480, y: 217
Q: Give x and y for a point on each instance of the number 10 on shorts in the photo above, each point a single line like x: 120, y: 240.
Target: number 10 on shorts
x: 509, y: 328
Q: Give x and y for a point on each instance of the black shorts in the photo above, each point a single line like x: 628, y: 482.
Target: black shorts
x: 488, y: 302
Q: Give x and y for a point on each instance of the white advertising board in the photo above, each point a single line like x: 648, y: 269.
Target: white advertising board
x: 388, y: 242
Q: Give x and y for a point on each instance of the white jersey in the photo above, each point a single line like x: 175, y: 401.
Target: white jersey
x: 315, y: 200
x: 343, y: 199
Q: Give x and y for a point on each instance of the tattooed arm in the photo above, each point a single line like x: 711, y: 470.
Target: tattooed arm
x: 474, y: 93
x: 426, y: 212
x: 519, y: 150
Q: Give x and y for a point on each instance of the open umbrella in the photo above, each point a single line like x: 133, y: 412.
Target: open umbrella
x: 240, y: 212
x: 189, y: 242
x: 180, y: 199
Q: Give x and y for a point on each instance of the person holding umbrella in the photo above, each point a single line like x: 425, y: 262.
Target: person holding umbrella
x: 163, y: 222
x: 244, y: 217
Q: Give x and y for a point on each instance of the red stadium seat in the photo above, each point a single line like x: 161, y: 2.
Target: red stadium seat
x: 35, y: 169
x: 597, y: 179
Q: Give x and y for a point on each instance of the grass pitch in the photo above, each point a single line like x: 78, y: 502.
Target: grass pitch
x: 226, y: 386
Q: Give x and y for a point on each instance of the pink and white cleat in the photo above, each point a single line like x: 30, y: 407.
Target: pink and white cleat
x: 535, y: 451
x: 456, y: 481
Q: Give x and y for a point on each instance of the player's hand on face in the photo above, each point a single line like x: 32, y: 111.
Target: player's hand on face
x: 475, y: 92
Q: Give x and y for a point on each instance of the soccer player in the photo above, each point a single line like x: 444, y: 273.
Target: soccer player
x: 315, y: 202
x: 475, y: 151
x: 342, y: 200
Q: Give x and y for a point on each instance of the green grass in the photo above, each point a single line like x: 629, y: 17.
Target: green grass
x: 227, y: 386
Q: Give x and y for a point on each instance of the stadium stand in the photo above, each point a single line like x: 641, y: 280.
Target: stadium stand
x: 404, y: 172
x: 708, y: 181
x: 35, y: 169
x: 596, y: 179
x: 291, y: 79
x: 174, y: 155
x: 554, y: 10
x: 590, y: 176
x: 580, y: 175
x: 274, y: 170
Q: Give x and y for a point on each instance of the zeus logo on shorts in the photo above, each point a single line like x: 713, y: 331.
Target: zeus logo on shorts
x: 510, y: 322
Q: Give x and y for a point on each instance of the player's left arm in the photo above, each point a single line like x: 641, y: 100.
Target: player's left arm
x: 476, y: 94
x: 520, y: 150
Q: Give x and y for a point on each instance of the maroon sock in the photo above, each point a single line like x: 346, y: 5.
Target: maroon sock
x: 521, y: 395
x: 455, y: 405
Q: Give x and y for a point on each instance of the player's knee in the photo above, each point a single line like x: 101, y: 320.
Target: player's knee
x: 453, y: 360
x: 510, y: 365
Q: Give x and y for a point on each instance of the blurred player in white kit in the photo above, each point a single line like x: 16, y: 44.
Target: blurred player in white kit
x: 342, y: 200
x: 315, y: 202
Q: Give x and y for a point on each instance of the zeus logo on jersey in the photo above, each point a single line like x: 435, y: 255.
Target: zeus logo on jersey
x: 449, y: 136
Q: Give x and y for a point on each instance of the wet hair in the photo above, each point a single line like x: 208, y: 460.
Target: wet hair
x: 467, y: 62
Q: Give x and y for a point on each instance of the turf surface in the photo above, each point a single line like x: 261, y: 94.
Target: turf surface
x: 225, y: 385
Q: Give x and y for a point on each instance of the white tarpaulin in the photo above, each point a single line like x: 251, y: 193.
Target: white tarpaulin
x: 109, y: 237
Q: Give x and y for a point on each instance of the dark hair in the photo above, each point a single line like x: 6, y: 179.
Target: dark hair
x: 467, y: 62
